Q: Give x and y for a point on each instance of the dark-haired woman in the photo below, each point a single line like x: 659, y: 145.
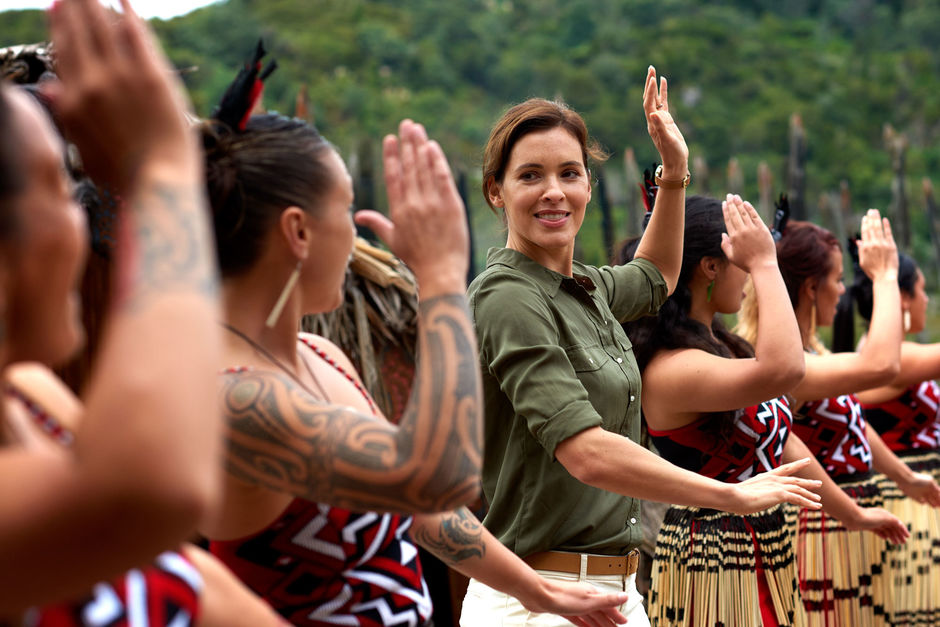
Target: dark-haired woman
x: 141, y: 472
x: 309, y: 453
x: 906, y: 415
x: 841, y: 572
x: 562, y: 465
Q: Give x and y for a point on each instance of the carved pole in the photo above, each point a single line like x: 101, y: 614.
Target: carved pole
x: 796, y: 169
x: 765, y: 186
x: 633, y: 182
x: 932, y: 215
x: 700, y: 175
x: 735, y: 176
x: 896, y: 144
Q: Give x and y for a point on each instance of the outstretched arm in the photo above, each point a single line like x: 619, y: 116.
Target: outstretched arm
x: 919, y: 486
x: 459, y: 540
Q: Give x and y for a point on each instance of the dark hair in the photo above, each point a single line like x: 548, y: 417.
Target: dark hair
x: 253, y: 175
x: 532, y: 116
x: 12, y: 179
x: 804, y: 252
x: 673, y: 328
x: 860, y: 294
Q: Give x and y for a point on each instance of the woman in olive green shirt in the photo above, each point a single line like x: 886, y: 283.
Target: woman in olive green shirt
x: 561, y: 387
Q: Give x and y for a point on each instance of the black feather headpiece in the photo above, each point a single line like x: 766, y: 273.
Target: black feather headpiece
x: 648, y: 189
x: 244, y: 92
x: 781, y: 217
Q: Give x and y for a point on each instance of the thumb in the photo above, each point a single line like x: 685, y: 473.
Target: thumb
x: 726, y: 245
x: 378, y: 223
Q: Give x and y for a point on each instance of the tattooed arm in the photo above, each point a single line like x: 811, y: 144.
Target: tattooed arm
x: 284, y: 439
x: 462, y: 542
x: 144, y: 467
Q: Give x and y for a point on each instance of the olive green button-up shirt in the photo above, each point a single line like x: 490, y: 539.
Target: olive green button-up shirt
x: 555, y: 362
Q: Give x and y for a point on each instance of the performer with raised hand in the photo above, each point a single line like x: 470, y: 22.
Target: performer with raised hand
x: 562, y: 467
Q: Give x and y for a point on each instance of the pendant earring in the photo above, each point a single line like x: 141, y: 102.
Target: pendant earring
x: 907, y: 320
x: 708, y: 291
x: 282, y: 299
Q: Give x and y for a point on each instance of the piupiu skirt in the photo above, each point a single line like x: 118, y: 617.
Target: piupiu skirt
x: 843, y: 576
x: 714, y: 568
x: 914, y: 567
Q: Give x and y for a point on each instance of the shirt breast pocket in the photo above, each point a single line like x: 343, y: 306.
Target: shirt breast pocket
x: 586, y: 359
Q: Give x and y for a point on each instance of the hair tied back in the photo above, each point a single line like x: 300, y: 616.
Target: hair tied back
x: 244, y: 92
x: 649, y: 189
x: 781, y: 217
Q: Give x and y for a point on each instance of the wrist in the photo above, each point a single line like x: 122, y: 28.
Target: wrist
x: 675, y: 170
x: 432, y: 284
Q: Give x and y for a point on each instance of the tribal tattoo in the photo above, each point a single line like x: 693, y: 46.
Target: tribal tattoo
x: 453, y: 536
x: 281, y: 437
x: 170, y: 245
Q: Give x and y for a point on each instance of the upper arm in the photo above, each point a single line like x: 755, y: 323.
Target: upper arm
x: 919, y: 362
x: 836, y: 374
x: 282, y: 438
x: 681, y: 384
x: 634, y: 289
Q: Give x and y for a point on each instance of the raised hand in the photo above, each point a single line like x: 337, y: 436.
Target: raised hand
x: 748, y: 243
x: 426, y: 226
x: 776, y: 486
x: 877, y: 252
x: 118, y: 99
x: 667, y: 137
x: 880, y: 522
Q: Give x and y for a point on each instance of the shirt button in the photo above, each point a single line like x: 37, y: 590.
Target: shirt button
x: 632, y: 398
x: 633, y: 521
x: 620, y: 360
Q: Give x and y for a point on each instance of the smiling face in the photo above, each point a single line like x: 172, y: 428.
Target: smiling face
x: 45, y: 305
x: 544, y: 194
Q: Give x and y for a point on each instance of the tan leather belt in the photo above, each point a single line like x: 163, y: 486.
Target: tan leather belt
x: 564, y: 562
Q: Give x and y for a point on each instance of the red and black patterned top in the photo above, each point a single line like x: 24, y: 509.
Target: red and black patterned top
x: 165, y: 593
x: 834, y: 430
x: 755, y: 444
x: 323, y: 565
x: 910, y: 421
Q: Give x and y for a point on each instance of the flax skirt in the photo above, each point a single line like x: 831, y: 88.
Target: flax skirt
x: 707, y: 566
x: 843, y: 577
x: 914, y: 567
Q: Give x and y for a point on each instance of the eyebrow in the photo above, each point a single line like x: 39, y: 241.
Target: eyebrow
x: 566, y: 164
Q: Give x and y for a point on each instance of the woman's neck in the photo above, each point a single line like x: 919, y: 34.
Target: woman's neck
x: 248, y: 302
x: 559, y: 260
x: 804, y: 318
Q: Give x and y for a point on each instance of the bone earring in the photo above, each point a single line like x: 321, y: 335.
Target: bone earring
x: 282, y: 299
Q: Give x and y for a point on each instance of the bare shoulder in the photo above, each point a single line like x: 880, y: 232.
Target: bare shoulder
x: 331, y: 350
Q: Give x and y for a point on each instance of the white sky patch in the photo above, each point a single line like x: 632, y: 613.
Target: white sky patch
x: 163, y: 9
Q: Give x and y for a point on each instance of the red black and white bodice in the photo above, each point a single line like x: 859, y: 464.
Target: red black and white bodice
x: 754, y: 445
x: 834, y: 430
x: 910, y: 421
x: 322, y: 565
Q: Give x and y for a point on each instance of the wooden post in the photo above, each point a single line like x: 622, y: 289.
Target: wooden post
x: 633, y: 182
x: 700, y: 175
x: 735, y: 177
x: 462, y: 190
x: 302, y: 108
x: 796, y: 169
x: 896, y: 143
x: 932, y: 216
x: 765, y: 186
x: 362, y: 171
x: 607, y: 222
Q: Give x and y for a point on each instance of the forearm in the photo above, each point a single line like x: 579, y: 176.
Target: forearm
x: 615, y: 463
x: 462, y: 542
x: 885, y: 461
x: 662, y: 240
x: 882, y: 347
x: 778, y: 334
x: 441, y: 427
x: 835, y: 501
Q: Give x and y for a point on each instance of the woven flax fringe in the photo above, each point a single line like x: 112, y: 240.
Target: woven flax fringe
x: 914, y: 567
x: 843, y: 580
x: 704, y: 571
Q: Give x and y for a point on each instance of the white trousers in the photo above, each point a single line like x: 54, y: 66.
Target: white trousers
x: 485, y: 607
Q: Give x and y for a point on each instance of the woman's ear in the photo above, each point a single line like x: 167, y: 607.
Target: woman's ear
x: 494, y: 193
x: 295, y: 231
x: 709, y: 267
x: 808, y: 289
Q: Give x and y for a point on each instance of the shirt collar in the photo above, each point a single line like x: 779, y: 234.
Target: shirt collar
x: 549, y: 278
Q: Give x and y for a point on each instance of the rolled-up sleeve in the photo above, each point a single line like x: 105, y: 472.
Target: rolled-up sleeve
x: 520, y: 346
x: 634, y: 290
